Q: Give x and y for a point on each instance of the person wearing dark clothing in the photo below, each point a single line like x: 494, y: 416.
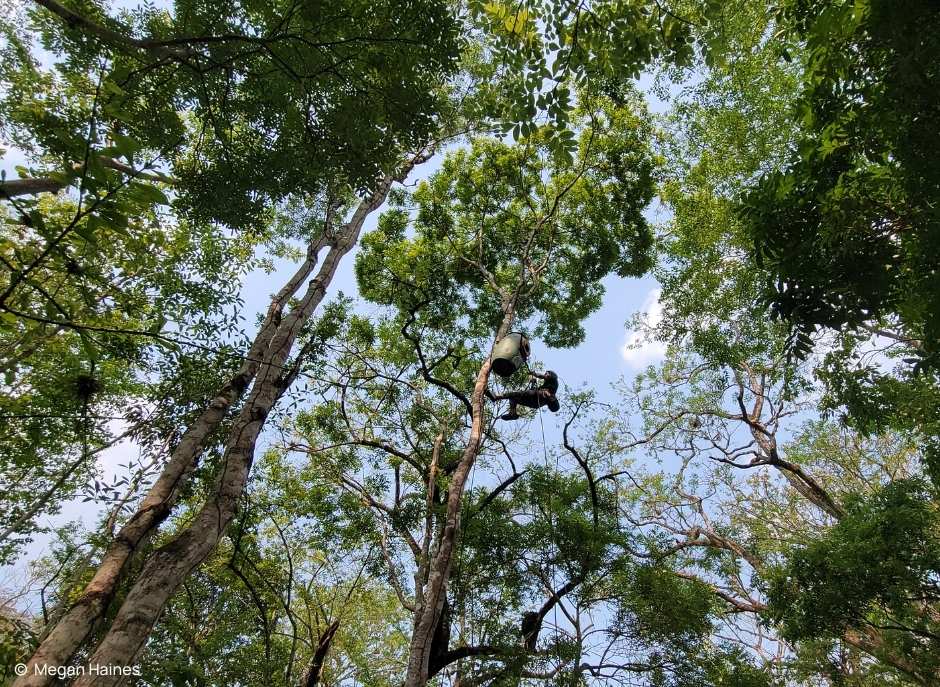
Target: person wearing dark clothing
x: 543, y: 395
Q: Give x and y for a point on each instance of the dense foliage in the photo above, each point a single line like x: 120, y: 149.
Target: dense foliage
x: 323, y: 492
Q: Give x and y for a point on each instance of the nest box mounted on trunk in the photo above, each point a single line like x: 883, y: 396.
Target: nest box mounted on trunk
x: 510, y: 353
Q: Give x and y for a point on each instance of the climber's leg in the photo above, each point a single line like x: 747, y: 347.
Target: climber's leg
x: 512, y: 414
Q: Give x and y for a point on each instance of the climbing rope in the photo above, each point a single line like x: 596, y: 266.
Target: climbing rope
x: 551, y: 524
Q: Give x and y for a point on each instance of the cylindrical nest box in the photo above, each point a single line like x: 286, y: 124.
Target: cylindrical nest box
x: 510, y: 353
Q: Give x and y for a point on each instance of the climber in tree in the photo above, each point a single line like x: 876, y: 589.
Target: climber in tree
x: 533, y: 397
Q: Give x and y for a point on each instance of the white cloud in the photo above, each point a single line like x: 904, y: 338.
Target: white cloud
x: 639, y: 349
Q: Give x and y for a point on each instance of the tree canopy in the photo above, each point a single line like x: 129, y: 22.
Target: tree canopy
x: 257, y: 259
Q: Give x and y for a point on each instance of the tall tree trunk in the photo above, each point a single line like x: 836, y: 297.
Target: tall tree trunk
x: 72, y: 629
x: 428, y: 613
x: 167, y: 567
